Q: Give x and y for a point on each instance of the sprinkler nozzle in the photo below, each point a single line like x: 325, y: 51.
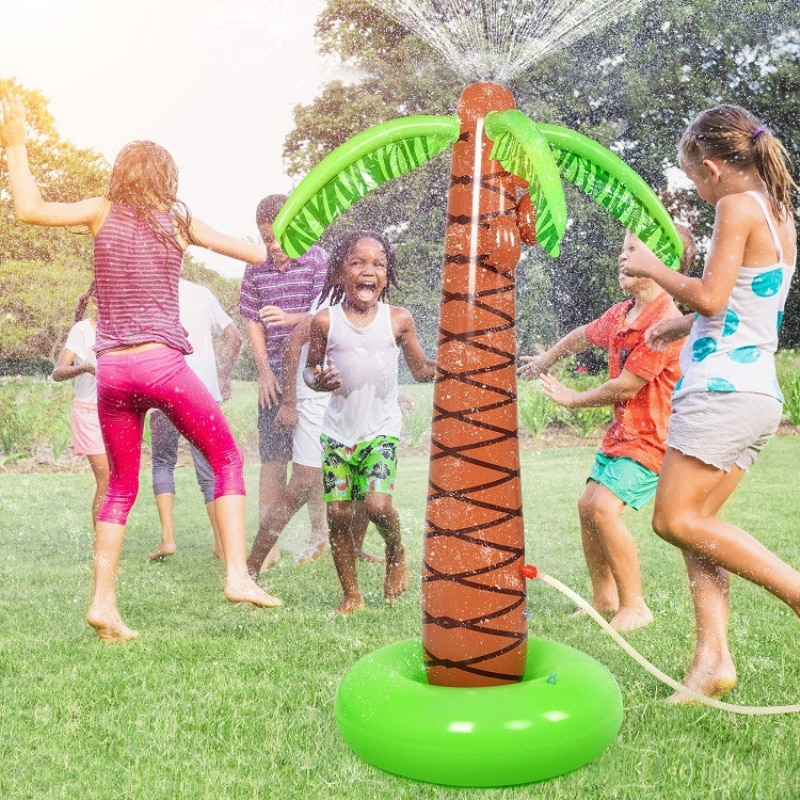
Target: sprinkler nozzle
x: 529, y: 571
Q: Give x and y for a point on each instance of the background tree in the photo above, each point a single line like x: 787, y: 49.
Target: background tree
x: 64, y: 173
x: 632, y: 88
x: 43, y: 271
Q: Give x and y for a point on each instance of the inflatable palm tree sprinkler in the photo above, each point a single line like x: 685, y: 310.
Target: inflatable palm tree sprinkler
x: 477, y: 703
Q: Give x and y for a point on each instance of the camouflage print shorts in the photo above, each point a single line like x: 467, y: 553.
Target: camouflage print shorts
x: 348, y: 473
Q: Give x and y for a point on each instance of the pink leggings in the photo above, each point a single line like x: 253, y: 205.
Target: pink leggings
x: 128, y: 384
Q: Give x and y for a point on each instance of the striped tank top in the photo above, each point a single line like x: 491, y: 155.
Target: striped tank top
x: 136, y: 274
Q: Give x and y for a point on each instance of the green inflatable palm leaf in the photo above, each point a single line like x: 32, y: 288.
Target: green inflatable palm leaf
x: 609, y: 181
x: 523, y: 151
x: 355, y: 168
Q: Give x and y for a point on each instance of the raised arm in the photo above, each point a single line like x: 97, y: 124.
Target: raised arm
x: 206, y: 236
x: 29, y: 206
x: 737, y: 215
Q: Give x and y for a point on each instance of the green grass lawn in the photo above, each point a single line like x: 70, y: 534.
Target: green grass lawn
x: 222, y: 701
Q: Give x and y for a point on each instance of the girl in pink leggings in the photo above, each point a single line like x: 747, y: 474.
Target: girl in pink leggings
x: 159, y: 378
x: 140, y: 230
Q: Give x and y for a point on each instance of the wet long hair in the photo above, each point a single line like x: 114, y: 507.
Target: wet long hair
x: 83, y: 301
x: 734, y: 135
x: 145, y: 178
x: 341, y: 252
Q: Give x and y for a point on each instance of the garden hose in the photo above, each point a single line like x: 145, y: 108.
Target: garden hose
x: 531, y: 572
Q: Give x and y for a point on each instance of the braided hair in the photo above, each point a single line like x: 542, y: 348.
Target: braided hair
x: 83, y: 301
x: 342, y: 248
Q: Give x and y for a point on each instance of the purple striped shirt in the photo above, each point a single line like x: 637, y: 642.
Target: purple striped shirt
x: 137, y: 283
x: 292, y: 290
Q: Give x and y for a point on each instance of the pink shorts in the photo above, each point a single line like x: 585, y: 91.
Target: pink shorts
x: 86, y: 437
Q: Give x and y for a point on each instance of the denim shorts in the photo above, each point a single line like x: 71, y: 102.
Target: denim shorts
x: 723, y: 428
x: 274, y: 442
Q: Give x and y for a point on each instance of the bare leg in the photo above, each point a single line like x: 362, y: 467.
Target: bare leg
x: 103, y: 614
x: 165, y: 503
x: 360, y: 525
x: 605, y: 598
x: 212, y: 518
x: 100, y: 468
x: 386, y: 519
x: 340, y: 515
x: 276, y: 517
x: 318, y: 540
x: 271, y: 487
x: 685, y: 492
x: 622, y: 558
x: 239, y: 586
x: 713, y: 672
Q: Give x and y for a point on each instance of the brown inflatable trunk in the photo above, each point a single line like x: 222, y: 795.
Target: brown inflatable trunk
x: 474, y: 628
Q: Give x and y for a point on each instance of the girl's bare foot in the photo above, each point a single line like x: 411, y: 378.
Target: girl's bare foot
x: 396, y: 580
x: 712, y: 683
x: 629, y: 619
x: 162, y: 551
x: 350, y: 604
x: 604, y: 609
x: 250, y: 592
x: 109, y: 625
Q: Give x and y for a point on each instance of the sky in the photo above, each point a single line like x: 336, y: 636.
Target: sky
x: 213, y: 81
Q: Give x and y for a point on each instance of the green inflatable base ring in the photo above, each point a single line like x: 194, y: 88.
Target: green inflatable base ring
x: 564, y: 713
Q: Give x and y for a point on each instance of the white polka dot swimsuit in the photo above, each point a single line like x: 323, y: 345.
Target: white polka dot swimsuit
x: 733, y: 351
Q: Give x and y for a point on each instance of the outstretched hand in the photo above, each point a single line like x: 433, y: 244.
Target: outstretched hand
x: 12, y: 121
x: 322, y: 380
x: 658, y: 336
x: 534, y: 368
x: 557, y: 391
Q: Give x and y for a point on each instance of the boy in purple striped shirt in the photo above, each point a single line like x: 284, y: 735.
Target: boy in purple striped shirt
x: 275, y: 296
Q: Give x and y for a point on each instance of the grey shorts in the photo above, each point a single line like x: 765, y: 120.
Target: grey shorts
x: 723, y: 428
x: 274, y: 443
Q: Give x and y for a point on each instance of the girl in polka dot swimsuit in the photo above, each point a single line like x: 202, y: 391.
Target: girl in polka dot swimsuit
x: 728, y: 403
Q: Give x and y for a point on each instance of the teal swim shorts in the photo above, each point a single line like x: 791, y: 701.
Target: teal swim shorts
x: 348, y: 473
x: 627, y: 479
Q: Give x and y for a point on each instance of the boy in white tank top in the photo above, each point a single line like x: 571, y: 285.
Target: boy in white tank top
x: 360, y: 340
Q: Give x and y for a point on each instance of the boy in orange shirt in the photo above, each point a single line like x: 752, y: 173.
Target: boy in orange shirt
x: 626, y: 467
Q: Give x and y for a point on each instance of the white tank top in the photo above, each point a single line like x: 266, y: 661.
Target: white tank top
x: 365, y: 405
x: 734, y: 351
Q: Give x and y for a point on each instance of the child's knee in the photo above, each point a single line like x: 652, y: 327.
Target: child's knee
x: 339, y: 516
x: 666, y: 524
x: 118, y: 503
x: 380, y: 510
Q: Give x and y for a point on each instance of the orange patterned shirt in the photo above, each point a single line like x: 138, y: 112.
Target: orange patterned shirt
x: 639, y: 429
